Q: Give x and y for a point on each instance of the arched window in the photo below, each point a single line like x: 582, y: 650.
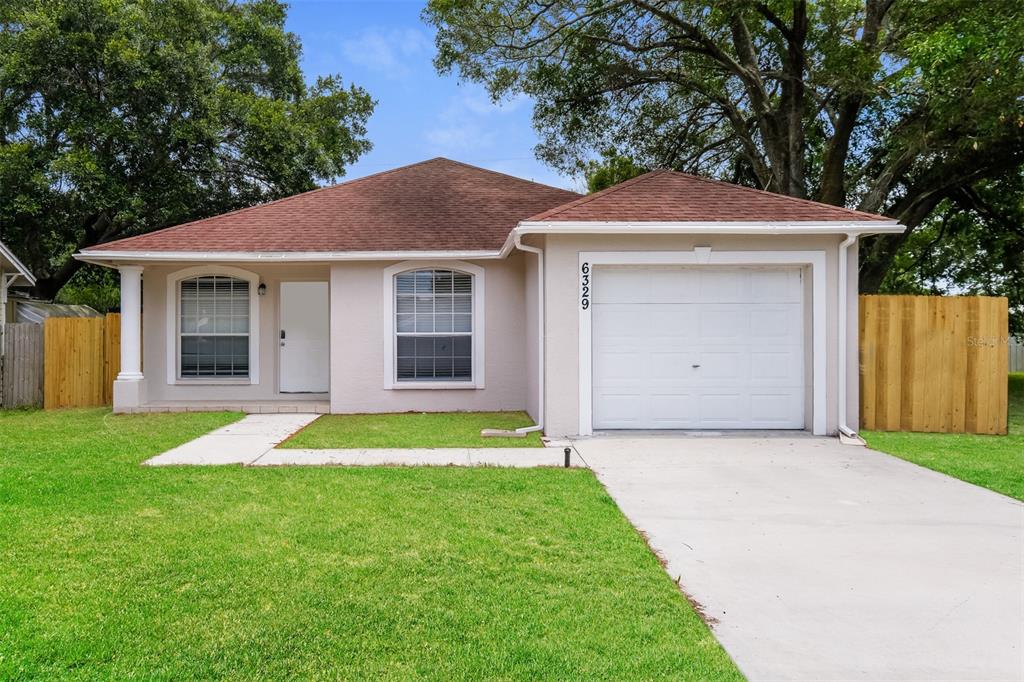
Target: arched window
x: 213, y: 327
x: 434, y: 326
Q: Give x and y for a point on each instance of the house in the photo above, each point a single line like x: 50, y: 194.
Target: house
x: 665, y: 302
x: 12, y: 274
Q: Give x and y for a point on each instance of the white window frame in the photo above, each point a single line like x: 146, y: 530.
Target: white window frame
x: 701, y: 256
x: 391, y: 333
x: 174, y: 325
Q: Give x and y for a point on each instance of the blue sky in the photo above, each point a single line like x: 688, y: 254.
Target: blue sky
x: 387, y: 49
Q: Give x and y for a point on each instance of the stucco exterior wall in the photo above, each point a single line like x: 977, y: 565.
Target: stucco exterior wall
x: 157, y: 335
x: 359, y: 341
x: 562, y: 311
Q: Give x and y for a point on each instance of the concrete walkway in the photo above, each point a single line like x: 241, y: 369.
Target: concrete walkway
x: 501, y: 457
x: 240, y: 443
x: 819, y: 561
x: 252, y: 440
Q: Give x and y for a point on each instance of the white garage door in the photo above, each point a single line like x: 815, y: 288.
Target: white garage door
x: 698, y: 348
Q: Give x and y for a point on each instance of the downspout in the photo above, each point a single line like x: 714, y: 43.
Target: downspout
x: 540, y: 332
x: 846, y: 434
x: 539, y: 426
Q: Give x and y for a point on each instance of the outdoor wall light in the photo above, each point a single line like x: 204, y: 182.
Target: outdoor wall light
x: 261, y: 289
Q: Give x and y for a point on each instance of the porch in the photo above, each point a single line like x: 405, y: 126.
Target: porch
x: 247, y: 406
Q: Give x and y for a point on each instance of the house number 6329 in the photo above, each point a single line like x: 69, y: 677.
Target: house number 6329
x: 585, y: 285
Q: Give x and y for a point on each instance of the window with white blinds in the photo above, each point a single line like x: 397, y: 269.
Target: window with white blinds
x: 434, y: 326
x: 214, y: 327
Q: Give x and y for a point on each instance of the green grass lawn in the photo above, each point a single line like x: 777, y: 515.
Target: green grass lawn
x: 109, y: 570
x: 413, y: 430
x: 995, y: 462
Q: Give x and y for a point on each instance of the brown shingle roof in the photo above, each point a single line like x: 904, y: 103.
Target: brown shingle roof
x: 435, y: 205
x: 668, y: 196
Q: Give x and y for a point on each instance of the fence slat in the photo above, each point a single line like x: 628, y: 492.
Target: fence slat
x: 81, y: 358
x: 22, y: 379
x: 1016, y: 359
x: 932, y: 363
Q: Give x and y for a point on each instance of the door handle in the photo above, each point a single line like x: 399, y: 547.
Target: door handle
x: 695, y: 366
x: 282, y: 337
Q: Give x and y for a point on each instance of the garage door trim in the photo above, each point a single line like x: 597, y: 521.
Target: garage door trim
x: 701, y: 257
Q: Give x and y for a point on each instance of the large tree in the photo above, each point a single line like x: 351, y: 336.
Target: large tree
x: 122, y: 116
x: 889, y: 106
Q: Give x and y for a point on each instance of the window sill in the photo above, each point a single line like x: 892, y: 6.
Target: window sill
x: 435, y: 385
x: 211, y: 381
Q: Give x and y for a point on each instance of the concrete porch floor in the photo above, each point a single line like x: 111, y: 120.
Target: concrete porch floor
x: 248, y: 406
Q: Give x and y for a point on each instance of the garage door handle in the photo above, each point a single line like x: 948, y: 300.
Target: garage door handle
x: 695, y: 366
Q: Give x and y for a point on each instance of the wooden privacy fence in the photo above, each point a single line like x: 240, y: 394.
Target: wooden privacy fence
x: 82, y: 359
x: 21, y: 374
x: 934, y: 363
x: 1016, y: 355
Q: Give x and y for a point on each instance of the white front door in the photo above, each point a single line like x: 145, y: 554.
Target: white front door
x: 304, y: 337
x: 698, y: 348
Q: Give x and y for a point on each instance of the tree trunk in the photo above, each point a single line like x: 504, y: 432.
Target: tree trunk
x: 48, y: 287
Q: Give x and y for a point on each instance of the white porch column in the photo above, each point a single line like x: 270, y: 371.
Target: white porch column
x: 129, y: 387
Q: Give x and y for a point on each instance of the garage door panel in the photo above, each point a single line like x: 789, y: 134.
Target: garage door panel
x: 719, y: 365
x: 741, y: 327
x: 672, y: 410
x: 668, y: 366
x: 619, y: 321
x: 723, y: 324
x: 776, y: 410
x: 677, y: 285
x: 774, y: 365
x: 619, y: 410
x: 671, y: 320
x: 775, y: 286
x: 722, y: 286
x: 621, y: 367
x: 722, y: 409
x: 771, y: 323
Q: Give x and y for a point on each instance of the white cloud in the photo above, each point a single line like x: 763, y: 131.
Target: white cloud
x: 393, y: 52
x: 469, y: 123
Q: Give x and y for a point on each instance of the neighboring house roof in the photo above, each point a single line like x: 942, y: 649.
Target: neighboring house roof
x: 435, y: 205
x: 666, y: 196
x: 31, y: 310
x: 13, y: 269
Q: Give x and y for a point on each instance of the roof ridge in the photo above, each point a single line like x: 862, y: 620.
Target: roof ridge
x: 503, y: 175
x: 760, y: 192
x: 587, y: 198
x: 343, y: 183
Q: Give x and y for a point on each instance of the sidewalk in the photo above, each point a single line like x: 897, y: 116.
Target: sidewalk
x: 253, y: 440
x: 240, y: 443
x: 500, y: 457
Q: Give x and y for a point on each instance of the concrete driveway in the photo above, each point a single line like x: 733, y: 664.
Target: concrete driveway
x: 821, y: 561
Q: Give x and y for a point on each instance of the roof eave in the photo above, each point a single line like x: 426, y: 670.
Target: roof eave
x: 113, y: 258
x: 19, y: 267
x: 858, y: 227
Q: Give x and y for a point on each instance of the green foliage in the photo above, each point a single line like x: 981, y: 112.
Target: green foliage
x: 889, y: 107
x: 114, y: 571
x: 610, y: 170
x: 96, y: 287
x: 994, y: 462
x: 122, y: 116
x: 414, y: 430
x: 972, y: 245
